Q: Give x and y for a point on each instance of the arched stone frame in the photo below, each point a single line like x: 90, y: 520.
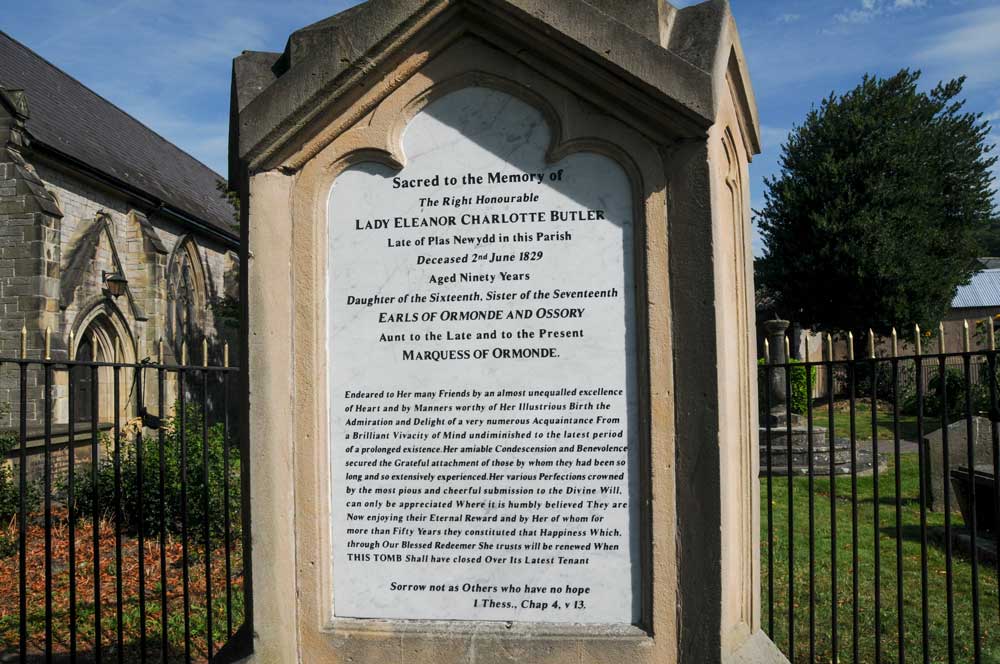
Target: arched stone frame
x: 575, y: 126
x: 740, y: 331
x: 102, y: 324
x: 80, y: 262
x: 187, y: 296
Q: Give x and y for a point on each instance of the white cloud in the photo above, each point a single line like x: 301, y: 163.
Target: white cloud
x: 965, y: 44
x: 855, y: 16
x: 167, y: 62
x: 871, y: 9
x: 789, y: 18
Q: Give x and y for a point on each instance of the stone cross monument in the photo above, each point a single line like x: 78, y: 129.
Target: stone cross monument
x: 502, y: 385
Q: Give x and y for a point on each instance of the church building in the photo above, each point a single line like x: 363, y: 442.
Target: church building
x: 111, y: 239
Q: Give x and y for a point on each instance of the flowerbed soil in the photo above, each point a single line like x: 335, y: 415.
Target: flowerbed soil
x: 130, y: 623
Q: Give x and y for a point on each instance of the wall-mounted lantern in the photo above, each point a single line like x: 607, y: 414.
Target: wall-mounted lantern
x: 114, y: 282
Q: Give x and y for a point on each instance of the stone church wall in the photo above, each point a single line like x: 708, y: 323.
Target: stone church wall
x: 51, y: 269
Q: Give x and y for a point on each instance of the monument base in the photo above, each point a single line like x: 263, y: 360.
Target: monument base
x: 778, y: 418
x: 780, y: 447
x: 757, y: 649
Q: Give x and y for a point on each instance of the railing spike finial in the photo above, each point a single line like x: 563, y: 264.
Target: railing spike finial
x: 160, y: 351
x: 184, y: 353
x: 850, y: 346
x: 871, y: 343
x: 805, y: 342
x: 204, y: 352
x: 118, y: 350
x: 48, y: 343
x: 788, y: 350
x: 965, y: 336
x: 24, y: 342
x: 829, y: 347
x: 917, y: 344
x: 225, y: 353
x: 72, y: 349
x: 941, y: 337
x: 991, y: 332
x: 895, y: 343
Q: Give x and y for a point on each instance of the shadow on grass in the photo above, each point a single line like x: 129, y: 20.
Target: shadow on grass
x: 237, y: 648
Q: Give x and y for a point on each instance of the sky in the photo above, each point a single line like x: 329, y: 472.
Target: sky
x: 167, y: 62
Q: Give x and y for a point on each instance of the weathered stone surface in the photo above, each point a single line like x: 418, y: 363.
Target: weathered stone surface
x: 346, y: 91
x: 326, y: 60
x: 958, y: 451
x: 978, y: 491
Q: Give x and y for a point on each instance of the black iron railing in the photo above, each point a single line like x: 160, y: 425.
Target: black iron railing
x: 123, y: 538
x: 880, y: 505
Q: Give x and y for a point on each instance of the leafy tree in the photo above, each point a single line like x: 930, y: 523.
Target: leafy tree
x: 989, y: 238
x: 233, y: 198
x: 226, y: 309
x: 877, y: 213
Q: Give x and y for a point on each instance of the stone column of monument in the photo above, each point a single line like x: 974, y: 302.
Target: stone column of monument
x: 500, y: 335
x: 776, y: 331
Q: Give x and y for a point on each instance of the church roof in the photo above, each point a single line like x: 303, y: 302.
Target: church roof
x: 73, y: 121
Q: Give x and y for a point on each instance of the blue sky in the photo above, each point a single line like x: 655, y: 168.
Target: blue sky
x: 167, y: 62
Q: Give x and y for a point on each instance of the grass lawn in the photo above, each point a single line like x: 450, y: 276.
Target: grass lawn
x: 863, y: 421
x: 85, y: 604
x: 865, y: 608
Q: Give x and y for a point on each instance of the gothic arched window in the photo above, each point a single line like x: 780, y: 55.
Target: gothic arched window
x: 187, y: 295
x: 83, y: 386
x: 102, y: 335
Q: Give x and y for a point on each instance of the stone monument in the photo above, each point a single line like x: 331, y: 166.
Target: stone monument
x: 787, y: 445
x: 500, y: 335
x: 776, y: 331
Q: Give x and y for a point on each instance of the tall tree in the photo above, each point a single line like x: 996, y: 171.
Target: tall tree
x: 989, y: 239
x: 878, y: 211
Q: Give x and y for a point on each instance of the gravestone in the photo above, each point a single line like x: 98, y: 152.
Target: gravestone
x: 982, y: 501
x: 502, y: 391
x: 958, y: 455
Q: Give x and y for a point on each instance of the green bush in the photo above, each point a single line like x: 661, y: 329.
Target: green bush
x: 10, y: 494
x: 799, y: 392
x: 879, y: 377
x: 800, y: 388
x: 957, y: 394
x: 954, y: 381
x: 149, y: 500
x: 981, y: 392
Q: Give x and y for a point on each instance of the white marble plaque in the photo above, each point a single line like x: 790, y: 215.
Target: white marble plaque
x: 483, y: 415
